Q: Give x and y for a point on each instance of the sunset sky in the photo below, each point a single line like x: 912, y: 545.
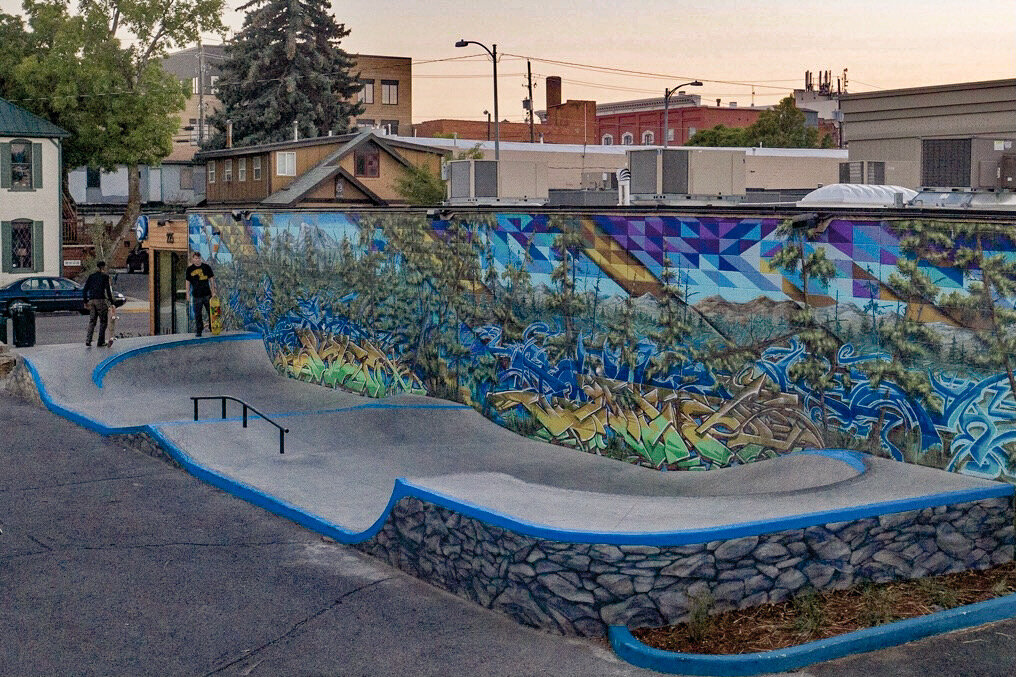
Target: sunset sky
x: 770, y: 43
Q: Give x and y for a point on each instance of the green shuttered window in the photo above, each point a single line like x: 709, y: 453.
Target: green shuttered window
x: 21, y: 165
x: 21, y: 246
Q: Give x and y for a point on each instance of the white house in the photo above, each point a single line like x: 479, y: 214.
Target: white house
x: 30, y: 194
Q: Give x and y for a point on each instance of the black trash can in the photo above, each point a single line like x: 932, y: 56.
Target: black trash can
x: 23, y: 318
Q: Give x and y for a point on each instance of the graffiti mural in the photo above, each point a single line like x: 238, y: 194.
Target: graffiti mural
x: 676, y: 342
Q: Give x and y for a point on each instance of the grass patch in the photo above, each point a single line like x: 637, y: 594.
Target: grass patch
x: 813, y: 615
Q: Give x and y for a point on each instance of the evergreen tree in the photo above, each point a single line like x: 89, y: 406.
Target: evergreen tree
x: 565, y: 299
x: 986, y: 306
x: 285, y: 66
x: 818, y: 368
x: 621, y: 337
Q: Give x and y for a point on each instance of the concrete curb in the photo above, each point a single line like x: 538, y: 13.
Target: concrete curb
x: 627, y: 647
x: 403, y: 488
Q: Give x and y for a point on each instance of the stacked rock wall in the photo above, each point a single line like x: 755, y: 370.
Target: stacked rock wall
x: 581, y: 588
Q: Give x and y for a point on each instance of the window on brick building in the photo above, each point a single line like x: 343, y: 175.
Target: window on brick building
x: 366, y: 94
x: 648, y: 138
x: 627, y: 139
x: 608, y: 140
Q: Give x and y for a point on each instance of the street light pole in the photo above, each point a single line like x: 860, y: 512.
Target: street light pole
x: 667, y: 93
x: 487, y: 113
x: 497, y: 120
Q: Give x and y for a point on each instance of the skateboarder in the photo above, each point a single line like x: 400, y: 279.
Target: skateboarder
x: 200, y: 289
x: 98, y: 295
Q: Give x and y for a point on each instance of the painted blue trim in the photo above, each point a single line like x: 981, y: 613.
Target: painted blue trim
x: 99, y: 373
x: 630, y: 649
x: 404, y: 488
x: 74, y: 416
x: 705, y: 534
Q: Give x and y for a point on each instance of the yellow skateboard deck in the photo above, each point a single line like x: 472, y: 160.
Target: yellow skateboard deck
x: 215, y: 315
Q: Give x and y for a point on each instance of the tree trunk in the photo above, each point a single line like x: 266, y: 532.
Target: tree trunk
x: 131, y: 212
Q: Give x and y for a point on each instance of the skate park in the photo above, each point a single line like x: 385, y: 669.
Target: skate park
x: 558, y: 539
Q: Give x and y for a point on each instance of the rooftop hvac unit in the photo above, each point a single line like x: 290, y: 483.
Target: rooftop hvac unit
x: 863, y: 171
x: 1007, y: 171
x: 490, y: 182
x: 662, y: 174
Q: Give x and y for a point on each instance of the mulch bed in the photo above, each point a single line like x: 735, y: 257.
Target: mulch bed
x: 815, y: 615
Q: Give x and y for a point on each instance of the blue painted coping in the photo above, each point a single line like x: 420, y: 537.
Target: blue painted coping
x: 404, y: 488
x: 780, y: 660
x: 99, y: 373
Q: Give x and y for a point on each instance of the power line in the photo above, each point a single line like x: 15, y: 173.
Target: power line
x: 644, y: 74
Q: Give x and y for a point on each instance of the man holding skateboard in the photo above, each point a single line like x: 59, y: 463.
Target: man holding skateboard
x: 98, y: 298
x: 200, y: 289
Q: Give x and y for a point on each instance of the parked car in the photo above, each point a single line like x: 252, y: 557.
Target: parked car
x: 137, y: 260
x: 46, y: 294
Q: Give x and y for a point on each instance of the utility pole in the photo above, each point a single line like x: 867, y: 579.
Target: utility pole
x: 201, y: 92
x: 532, y: 132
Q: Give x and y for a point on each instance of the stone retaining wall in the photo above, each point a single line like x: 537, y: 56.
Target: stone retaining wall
x: 580, y: 589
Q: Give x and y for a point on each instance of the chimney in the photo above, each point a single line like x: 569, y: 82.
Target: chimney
x: 553, y: 85
x: 229, y: 133
x: 296, y: 130
x: 717, y: 103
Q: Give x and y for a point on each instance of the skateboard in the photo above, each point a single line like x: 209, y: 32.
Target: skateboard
x: 111, y: 326
x: 215, y: 315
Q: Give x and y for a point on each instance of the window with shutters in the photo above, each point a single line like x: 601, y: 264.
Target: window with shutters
x: 21, y: 165
x: 22, y: 246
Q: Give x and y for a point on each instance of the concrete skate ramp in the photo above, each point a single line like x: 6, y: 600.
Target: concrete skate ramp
x: 345, y: 452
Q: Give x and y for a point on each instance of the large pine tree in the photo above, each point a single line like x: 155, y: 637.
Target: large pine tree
x: 285, y: 65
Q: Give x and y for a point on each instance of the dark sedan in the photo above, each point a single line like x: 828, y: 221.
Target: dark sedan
x: 46, y: 294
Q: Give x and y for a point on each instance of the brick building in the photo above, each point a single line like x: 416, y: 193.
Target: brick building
x: 640, y: 122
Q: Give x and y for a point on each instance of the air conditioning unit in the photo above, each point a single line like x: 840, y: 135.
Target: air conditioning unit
x: 863, y: 171
x: 662, y: 174
x: 492, y: 182
x: 1007, y: 171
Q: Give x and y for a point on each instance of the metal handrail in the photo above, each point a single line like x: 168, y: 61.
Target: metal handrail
x: 246, y: 407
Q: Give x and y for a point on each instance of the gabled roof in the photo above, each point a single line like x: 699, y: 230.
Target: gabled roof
x: 16, y: 121
x: 329, y: 167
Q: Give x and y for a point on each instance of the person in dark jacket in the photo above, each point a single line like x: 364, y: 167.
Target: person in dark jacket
x: 98, y: 299
x: 200, y: 290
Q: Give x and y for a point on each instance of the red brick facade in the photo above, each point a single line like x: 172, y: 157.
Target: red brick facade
x: 569, y: 122
x: 683, y: 120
